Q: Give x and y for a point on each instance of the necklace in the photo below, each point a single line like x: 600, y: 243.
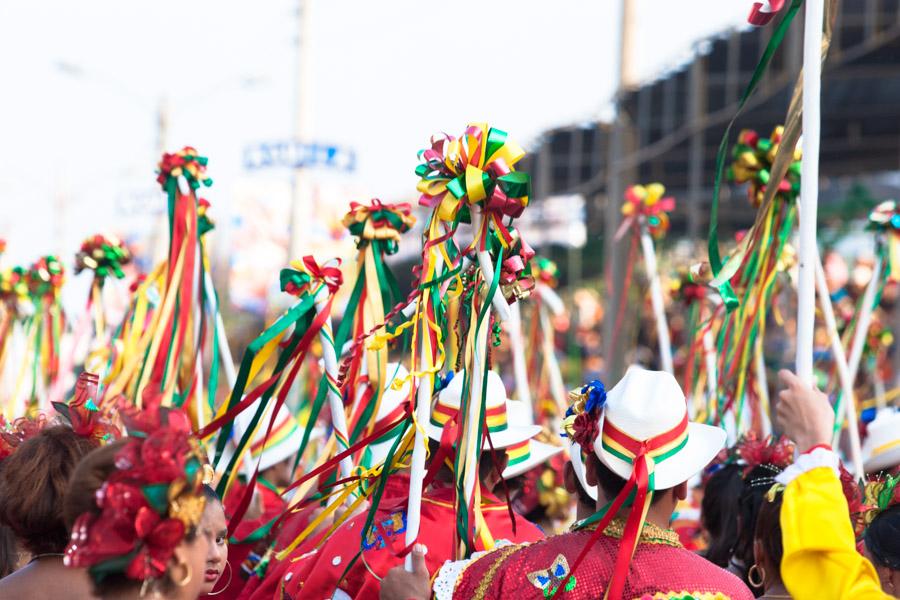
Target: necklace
x: 45, y: 555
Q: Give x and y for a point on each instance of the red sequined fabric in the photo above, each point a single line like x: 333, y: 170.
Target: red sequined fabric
x: 536, y: 570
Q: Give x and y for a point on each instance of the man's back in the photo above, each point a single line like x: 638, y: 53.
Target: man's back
x: 660, y: 566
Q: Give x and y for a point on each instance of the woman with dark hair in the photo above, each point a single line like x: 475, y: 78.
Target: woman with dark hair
x: 768, y: 549
x: 33, y: 482
x: 214, y: 526
x: 718, y: 515
x: 756, y: 483
x: 883, y: 548
x: 136, y: 506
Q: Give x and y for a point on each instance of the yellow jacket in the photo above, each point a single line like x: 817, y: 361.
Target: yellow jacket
x: 820, y: 559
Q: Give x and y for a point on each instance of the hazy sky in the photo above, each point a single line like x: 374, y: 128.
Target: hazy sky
x: 82, y: 82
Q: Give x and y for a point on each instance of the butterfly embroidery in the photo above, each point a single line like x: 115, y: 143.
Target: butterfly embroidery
x: 547, y: 580
x: 394, y: 525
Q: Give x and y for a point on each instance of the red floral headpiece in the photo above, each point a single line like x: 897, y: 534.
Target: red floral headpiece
x: 754, y: 452
x: 12, y: 435
x: 84, y: 415
x: 148, y: 504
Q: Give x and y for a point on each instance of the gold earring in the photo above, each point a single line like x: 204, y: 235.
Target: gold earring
x: 757, y: 570
x: 188, y: 573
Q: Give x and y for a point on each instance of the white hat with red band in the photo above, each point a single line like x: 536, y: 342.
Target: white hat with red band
x: 497, y: 409
x: 526, y: 455
x: 649, y: 408
x: 881, y: 450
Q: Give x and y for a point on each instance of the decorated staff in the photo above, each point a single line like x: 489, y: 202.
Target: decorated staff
x: 752, y: 269
x: 43, y: 330
x: 544, y: 374
x: 280, y: 349
x: 885, y: 222
x: 467, y: 178
x: 646, y: 211
x: 690, y: 292
x: 377, y: 227
x: 15, y: 307
x: 160, y: 342
x: 104, y: 256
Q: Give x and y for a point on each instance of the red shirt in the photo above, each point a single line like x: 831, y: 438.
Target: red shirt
x: 272, y: 505
x: 316, y: 574
x: 535, y: 570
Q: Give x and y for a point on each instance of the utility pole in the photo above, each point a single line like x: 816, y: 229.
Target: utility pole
x: 302, y: 188
x: 615, y: 188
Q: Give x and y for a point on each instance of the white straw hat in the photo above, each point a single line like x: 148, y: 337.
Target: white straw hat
x: 881, y: 450
x: 503, y: 433
x: 526, y: 455
x: 650, y: 406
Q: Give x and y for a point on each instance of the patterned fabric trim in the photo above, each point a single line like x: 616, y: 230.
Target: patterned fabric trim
x: 451, y: 571
x: 650, y: 534
x: 819, y: 457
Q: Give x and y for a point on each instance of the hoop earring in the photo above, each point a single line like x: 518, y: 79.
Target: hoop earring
x: 760, y: 573
x: 187, y: 576
x: 227, y: 564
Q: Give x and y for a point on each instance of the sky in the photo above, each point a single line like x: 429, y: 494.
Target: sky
x: 83, y: 83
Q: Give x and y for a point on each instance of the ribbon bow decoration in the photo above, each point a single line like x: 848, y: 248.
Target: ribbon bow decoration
x: 885, y: 219
x: 516, y: 280
x: 753, y: 157
x: 204, y: 223
x: 477, y: 168
x: 545, y: 271
x: 104, y: 255
x: 762, y: 13
x: 45, y: 278
x: 647, y: 204
x: 14, y: 287
x: 306, y: 276
x: 379, y: 222
x: 185, y: 163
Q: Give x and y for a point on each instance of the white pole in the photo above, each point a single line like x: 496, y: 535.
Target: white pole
x: 712, y: 374
x: 425, y: 385
x: 479, y: 362
x: 840, y: 360
x: 864, y: 320
x: 224, y: 348
x: 551, y: 364
x: 656, y: 297
x: 520, y: 370
x: 762, y: 384
x: 329, y: 356
x: 809, y: 193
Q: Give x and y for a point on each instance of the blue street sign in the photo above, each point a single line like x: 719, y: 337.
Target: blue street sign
x: 294, y: 155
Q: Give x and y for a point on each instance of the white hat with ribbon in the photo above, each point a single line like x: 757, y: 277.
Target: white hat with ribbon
x: 881, y: 450
x: 497, y: 409
x: 645, y: 414
x: 530, y: 453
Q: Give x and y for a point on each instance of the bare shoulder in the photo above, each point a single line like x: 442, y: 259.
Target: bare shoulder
x: 39, y: 581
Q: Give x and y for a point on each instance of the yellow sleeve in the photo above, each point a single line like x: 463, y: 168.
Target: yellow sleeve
x: 820, y: 558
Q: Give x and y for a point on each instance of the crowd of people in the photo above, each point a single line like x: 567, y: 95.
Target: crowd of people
x: 87, y: 517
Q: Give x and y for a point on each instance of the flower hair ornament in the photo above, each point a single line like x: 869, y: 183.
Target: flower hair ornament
x: 148, y: 504
x: 581, y: 421
x: 776, y: 454
x: 13, y: 434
